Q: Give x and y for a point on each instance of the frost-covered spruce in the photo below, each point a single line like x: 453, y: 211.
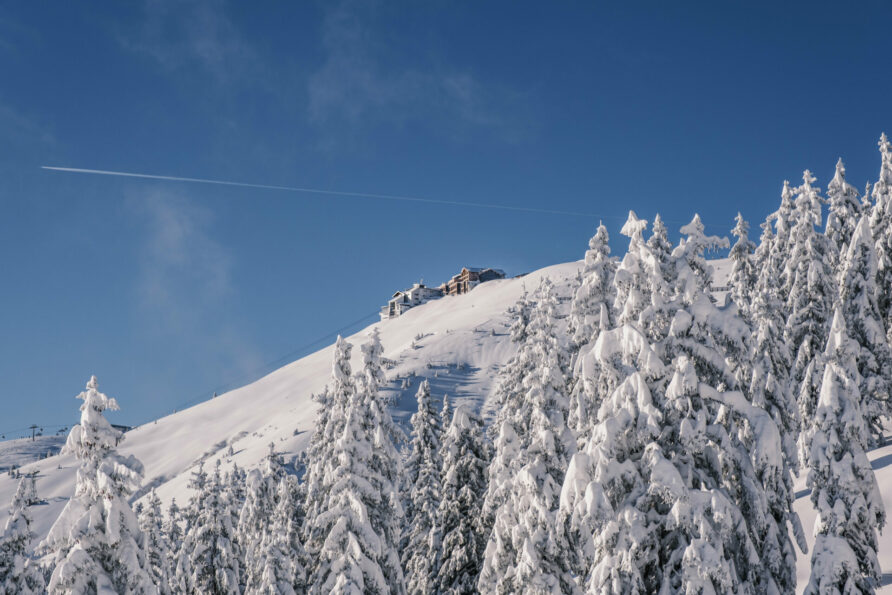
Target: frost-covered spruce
x: 769, y: 381
x: 813, y: 289
x: 96, y: 541
x: 19, y: 574
x: 631, y: 286
x: 658, y: 278
x: 512, y: 371
x: 256, y: 516
x: 762, y: 253
x: 693, y: 273
x: 320, y: 458
x: 716, y: 340
x: 157, y: 546
x: 593, y: 299
x: 465, y: 456
x: 280, y: 555
x: 755, y: 476
x: 783, y: 241
x: 844, y: 212
x: 289, y: 520
x: 198, y: 479
x: 602, y: 475
x: 387, y: 517
x: 445, y: 413
x: 660, y: 247
x: 173, y: 533
x: 668, y: 492
x: 421, y: 547
x: 359, y: 521
x: 631, y: 292
x: 234, y: 484
x: 881, y: 230
x: 844, y: 489
x: 208, y: 557
x: 743, y: 271
x: 858, y: 303
x: 521, y: 318
x: 525, y: 550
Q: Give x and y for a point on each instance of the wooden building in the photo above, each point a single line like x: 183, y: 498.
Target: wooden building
x: 404, y: 300
x: 469, y: 278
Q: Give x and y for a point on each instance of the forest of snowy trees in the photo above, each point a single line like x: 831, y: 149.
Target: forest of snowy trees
x: 643, y: 439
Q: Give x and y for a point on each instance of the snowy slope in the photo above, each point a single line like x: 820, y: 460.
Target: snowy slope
x: 15, y: 453
x: 458, y: 343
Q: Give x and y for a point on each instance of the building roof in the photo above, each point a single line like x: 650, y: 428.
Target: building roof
x: 481, y: 269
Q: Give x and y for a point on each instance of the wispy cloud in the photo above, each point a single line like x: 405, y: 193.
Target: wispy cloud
x: 185, y: 287
x: 182, y: 34
x: 353, y: 85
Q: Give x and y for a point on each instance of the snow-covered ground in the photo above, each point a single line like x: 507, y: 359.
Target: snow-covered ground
x: 458, y: 343
x: 15, y: 453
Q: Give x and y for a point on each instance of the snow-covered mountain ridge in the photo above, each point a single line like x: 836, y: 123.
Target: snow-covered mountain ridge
x: 458, y: 343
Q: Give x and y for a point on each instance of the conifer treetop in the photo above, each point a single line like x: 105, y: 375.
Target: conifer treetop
x: 634, y: 227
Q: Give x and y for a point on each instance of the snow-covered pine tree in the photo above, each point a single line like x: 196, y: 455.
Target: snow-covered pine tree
x: 813, y: 289
x: 465, y: 456
x: 521, y: 313
x: 387, y: 516
x: 234, y: 484
x: 236, y: 480
x: 729, y: 529
x: 157, y: 546
x: 445, y: 413
x: 593, y: 299
x: 525, y: 550
x: 349, y: 560
x: 668, y: 492
x: 660, y: 247
x: 769, y: 382
x: 753, y: 476
x: 358, y: 523
x: 844, y: 489
x: 762, y: 254
x: 596, y: 497
x: 281, y: 554
x: 511, y: 372
x: 881, y: 230
x: 631, y: 293
x: 783, y: 241
x: 743, y: 271
x: 844, y: 212
x: 261, y: 488
x: 320, y: 458
x: 209, y: 561
x: 31, y: 497
x: 19, y: 574
x: 198, y: 479
x: 858, y: 304
x: 96, y: 541
x: 421, y: 548
x: 173, y: 533
x: 289, y: 520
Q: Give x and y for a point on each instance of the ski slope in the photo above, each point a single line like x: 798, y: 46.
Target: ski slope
x: 458, y: 343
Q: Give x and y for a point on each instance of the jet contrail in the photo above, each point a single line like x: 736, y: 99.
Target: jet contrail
x: 457, y: 203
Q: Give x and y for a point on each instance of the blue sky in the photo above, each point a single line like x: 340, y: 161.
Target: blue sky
x: 168, y: 291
